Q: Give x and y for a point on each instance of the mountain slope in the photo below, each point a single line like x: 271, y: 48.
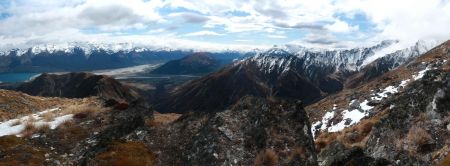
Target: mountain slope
x: 196, y: 63
x: 400, y: 116
x: 78, y: 85
x: 220, y: 89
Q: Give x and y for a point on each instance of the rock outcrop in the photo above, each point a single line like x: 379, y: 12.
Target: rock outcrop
x: 253, y: 131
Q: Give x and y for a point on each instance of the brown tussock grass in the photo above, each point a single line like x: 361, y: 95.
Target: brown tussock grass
x: 44, y: 128
x: 417, y: 136
x: 128, y: 153
x: 356, y: 135
x: 48, y: 117
x: 297, y: 152
x: 68, y: 124
x: 266, y: 157
x: 162, y: 119
x: 29, y: 129
x: 10, y: 144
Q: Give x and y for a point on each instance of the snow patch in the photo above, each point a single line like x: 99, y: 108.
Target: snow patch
x: 364, y: 105
x: 324, y: 122
x: 348, y: 118
x: 385, y: 93
x: 421, y: 74
x: 404, y: 83
x: 16, y: 126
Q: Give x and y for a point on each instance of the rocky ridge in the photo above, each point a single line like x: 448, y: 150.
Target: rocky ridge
x: 78, y: 85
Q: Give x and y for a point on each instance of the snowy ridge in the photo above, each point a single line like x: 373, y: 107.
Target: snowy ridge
x: 395, y: 54
x: 280, y: 58
x: 86, y: 47
x: 89, y: 47
x: 274, y: 60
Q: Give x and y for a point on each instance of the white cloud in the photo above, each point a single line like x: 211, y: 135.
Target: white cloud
x: 341, y: 27
x: 316, y: 23
x: 190, y: 17
x: 204, y: 33
x: 405, y: 20
x: 41, y: 17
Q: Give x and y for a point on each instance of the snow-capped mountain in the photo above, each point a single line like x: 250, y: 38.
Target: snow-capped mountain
x: 109, y: 47
x: 79, y: 56
x: 388, y: 62
x: 337, y: 61
x: 87, y: 47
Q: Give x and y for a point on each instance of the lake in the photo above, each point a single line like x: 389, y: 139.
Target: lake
x: 16, y: 77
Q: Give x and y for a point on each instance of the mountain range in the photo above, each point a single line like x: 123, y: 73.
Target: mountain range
x: 94, y: 56
x: 288, y: 72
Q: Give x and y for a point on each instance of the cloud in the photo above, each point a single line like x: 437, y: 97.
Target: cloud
x: 341, y: 27
x: 324, y: 39
x: 320, y: 38
x: 405, y: 20
x: 301, y: 25
x: 40, y: 17
x: 271, y: 9
x: 321, y: 23
x: 203, y: 33
x: 190, y: 17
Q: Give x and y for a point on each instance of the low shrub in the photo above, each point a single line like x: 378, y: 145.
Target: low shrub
x: 417, y: 137
x: 266, y: 158
x: 126, y: 153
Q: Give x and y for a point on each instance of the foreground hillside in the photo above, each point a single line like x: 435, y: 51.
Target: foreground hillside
x: 93, y: 131
x: 401, y: 116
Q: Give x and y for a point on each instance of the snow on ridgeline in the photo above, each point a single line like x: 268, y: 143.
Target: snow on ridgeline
x: 358, y: 111
x: 16, y: 126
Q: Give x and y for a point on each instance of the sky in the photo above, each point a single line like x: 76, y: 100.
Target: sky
x: 227, y: 24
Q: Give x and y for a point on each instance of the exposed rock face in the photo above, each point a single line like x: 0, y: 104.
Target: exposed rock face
x: 337, y: 154
x: 78, y: 85
x: 414, y: 131
x: 253, y: 131
x: 196, y: 63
